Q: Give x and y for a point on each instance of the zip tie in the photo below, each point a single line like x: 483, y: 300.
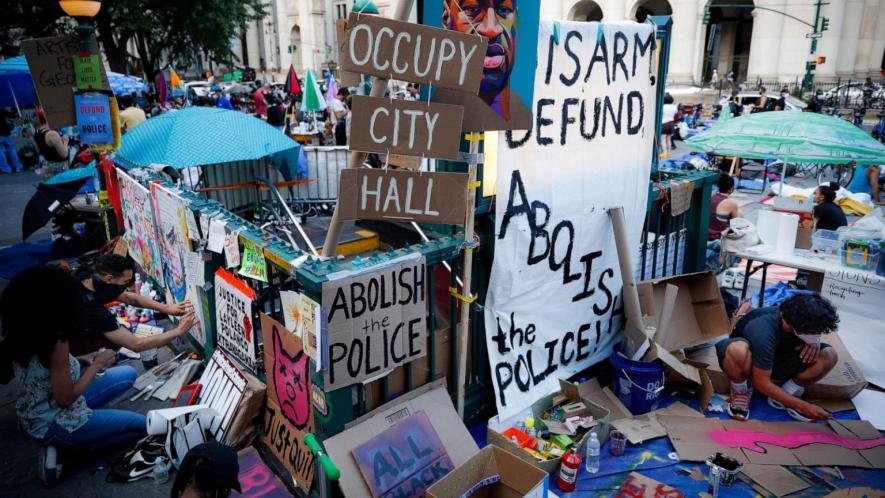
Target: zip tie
x: 474, y: 185
x: 469, y: 300
x: 473, y: 137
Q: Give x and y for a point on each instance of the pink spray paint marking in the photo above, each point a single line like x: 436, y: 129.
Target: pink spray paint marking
x: 742, y: 438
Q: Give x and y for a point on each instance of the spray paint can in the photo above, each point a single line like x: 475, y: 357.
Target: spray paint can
x: 568, y: 471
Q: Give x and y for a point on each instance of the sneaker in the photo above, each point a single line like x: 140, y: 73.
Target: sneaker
x: 791, y: 412
x: 48, y: 476
x: 739, y: 404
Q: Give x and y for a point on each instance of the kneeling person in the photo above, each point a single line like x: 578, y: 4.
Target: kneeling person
x: 779, y: 349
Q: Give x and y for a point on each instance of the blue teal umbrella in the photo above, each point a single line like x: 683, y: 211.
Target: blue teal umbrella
x: 122, y: 84
x: 16, y: 86
x: 18, y: 64
x: 200, y: 136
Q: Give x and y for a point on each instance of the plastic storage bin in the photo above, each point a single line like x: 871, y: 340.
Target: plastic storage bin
x: 825, y: 242
x: 859, y: 260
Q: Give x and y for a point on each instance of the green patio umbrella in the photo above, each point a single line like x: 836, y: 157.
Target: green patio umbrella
x: 791, y: 137
x: 313, y: 100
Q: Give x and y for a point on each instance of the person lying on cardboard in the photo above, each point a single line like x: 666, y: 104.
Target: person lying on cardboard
x: 779, y: 349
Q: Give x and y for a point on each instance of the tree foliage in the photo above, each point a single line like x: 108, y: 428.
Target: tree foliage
x: 146, y: 32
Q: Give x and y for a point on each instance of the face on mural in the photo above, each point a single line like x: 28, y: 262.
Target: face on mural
x: 496, y: 20
x: 290, y: 376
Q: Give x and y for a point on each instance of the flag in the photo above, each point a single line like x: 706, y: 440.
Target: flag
x: 331, y: 88
x: 162, y: 88
x: 292, y: 86
x: 313, y: 100
x: 174, y: 80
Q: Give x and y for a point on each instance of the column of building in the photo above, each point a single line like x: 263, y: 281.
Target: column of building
x: 767, y: 37
x: 686, y: 24
x: 795, y: 46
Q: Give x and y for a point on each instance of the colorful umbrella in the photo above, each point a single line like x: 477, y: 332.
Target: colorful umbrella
x: 292, y: 86
x: 174, y: 80
x: 331, y: 87
x: 313, y: 100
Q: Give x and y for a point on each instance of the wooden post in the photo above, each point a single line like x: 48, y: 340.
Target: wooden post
x: 464, y: 323
x: 330, y: 246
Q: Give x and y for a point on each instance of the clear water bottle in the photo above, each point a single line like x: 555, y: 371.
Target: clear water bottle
x: 161, y: 470
x: 591, y: 462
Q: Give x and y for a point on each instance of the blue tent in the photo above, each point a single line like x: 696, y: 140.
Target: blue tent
x: 16, y: 87
x: 200, y: 136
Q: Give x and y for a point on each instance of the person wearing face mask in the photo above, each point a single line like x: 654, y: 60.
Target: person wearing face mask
x: 817, y: 102
x: 108, y: 280
x: 779, y: 350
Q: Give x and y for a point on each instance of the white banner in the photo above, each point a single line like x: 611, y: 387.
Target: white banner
x: 554, y: 303
x: 856, y: 294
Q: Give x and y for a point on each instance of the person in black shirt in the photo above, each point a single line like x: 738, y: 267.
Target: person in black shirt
x: 827, y: 214
x: 779, y: 348
x: 276, y: 114
x: 106, y: 281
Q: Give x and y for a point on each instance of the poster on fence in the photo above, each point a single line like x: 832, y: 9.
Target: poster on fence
x: 554, y: 306
x: 233, y: 318
x: 376, y: 320
x: 170, y: 215
x: 141, y: 232
x: 289, y: 414
x: 855, y: 293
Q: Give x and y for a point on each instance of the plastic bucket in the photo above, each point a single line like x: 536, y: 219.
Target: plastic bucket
x: 638, y: 384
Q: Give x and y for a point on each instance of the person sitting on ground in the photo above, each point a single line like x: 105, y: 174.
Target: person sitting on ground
x: 209, y: 470
x: 131, y: 116
x: 108, y: 280
x: 52, y: 146
x: 779, y: 350
x: 828, y: 215
x: 42, y: 312
x: 866, y: 181
x: 722, y: 208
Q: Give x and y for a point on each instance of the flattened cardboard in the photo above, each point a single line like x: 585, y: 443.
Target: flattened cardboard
x: 777, y: 480
x: 404, y: 51
x: 844, y: 381
x: 492, y: 472
x: 641, y: 428
x: 433, y: 399
x: 403, y: 460
x: 374, y: 194
x: 345, y: 78
x: 51, y: 63
x: 690, y: 438
x: 640, y: 486
x: 863, y: 492
x: 256, y: 478
x: 406, y: 127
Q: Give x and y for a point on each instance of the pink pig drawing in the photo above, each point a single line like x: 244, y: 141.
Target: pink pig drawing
x: 291, y: 377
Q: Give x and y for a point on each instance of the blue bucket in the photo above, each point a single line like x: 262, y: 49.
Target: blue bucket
x: 638, y: 384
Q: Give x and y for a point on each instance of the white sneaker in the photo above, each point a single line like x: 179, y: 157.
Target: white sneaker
x: 49, y: 470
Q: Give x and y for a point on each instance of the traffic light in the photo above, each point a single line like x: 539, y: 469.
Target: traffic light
x: 824, y: 24
x: 820, y: 59
x: 706, y: 20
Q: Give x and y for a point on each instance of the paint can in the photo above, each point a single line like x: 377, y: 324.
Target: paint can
x: 722, y: 471
x: 638, y: 384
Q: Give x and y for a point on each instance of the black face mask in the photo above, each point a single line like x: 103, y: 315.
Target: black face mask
x: 106, y: 292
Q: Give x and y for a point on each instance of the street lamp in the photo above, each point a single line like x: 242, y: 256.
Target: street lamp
x: 83, y: 11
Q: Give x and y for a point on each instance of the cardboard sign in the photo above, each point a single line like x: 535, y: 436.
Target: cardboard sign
x: 289, y: 413
x: 493, y: 472
x: 256, y: 478
x: 87, y: 72
x: 506, y: 91
x: 554, y: 303
x: 433, y: 400
x: 640, y: 486
x: 374, y: 194
x: 376, y: 321
x: 404, y: 460
x: 94, y: 118
x: 405, y: 127
x: 411, y: 52
x: 138, y: 219
x: 233, y: 315
x: 223, y: 388
x: 52, y: 69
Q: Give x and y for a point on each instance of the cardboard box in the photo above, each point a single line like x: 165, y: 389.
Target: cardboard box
x: 433, y: 399
x: 492, y: 472
x: 572, y: 393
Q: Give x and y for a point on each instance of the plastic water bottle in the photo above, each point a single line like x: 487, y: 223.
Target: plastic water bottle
x: 161, y: 470
x: 591, y: 462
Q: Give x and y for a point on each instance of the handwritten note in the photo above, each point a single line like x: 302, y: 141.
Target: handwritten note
x: 195, y: 269
x: 232, y: 249
x: 216, y: 235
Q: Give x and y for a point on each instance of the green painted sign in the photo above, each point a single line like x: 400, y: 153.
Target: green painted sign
x: 87, y: 72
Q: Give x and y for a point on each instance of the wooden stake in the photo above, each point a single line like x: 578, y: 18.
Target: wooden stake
x: 464, y: 323
x: 379, y: 85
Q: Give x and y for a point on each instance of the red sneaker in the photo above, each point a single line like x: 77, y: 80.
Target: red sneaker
x: 739, y: 404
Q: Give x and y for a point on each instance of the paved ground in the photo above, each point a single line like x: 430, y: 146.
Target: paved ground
x: 15, y: 190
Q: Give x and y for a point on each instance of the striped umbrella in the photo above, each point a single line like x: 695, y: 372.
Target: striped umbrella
x: 313, y: 100
x: 292, y: 86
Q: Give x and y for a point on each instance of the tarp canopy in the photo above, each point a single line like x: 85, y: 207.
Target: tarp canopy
x: 200, y: 136
x: 16, y: 87
x: 792, y: 137
x: 122, y: 84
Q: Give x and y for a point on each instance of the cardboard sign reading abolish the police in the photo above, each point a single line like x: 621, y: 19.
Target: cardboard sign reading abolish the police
x: 376, y: 322
x: 406, y: 127
x: 373, y: 194
x: 411, y: 52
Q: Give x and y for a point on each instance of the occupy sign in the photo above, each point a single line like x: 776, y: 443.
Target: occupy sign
x: 553, y: 306
x: 376, y: 321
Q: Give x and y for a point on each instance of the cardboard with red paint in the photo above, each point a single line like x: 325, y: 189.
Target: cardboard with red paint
x: 256, y: 478
x: 640, y: 486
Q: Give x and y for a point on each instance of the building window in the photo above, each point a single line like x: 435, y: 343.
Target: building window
x: 341, y: 10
